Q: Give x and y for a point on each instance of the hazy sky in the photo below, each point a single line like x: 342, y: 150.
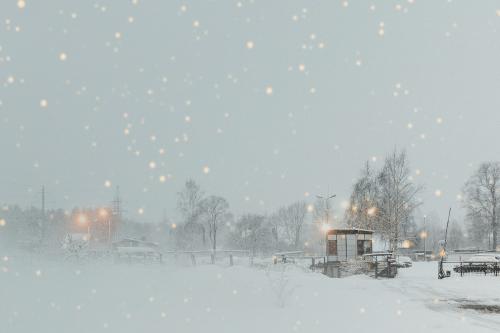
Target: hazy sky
x: 262, y: 102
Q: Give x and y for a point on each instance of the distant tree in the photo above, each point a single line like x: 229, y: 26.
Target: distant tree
x: 456, y: 238
x: 276, y: 225
x: 252, y: 233
x: 435, y: 230
x: 293, y: 219
x: 478, y: 230
x: 482, y: 198
x: 189, y: 205
x: 215, y: 211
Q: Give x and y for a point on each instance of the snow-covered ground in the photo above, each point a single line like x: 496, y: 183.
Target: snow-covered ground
x: 38, y: 296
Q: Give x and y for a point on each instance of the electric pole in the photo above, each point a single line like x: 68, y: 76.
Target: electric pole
x: 425, y: 238
x: 327, y: 198
x: 117, y: 204
x: 116, y: 212
x: 43, y: 225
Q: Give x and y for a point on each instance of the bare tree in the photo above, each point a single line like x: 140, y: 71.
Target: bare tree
x: 215, y: 211
x: 396, y: 198
x: 362, y: 209
x: 482, y: 197
x: 385, y: 201
x: 252, y: 233
x: 478, y: 230
x: 189, y: 205
x: 276, y: 224
x: 293, y: 218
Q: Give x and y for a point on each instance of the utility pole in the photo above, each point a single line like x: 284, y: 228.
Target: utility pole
x: 117, y: 204
x: 327, y: 205
x: 327, y: 215
x: 116, y: 212
x: 425, y: 239
x: 43, y: 225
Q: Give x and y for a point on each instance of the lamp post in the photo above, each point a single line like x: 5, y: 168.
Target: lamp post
x: 423, y: 235
x: 327, y: 205
x: 103, y: 213
x: 325, y: 226
x: 83, y: 220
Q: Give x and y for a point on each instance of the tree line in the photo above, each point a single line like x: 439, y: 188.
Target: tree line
x: 386, y: 200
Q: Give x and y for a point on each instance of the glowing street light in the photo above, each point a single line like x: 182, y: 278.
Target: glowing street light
x: 83, y: 220
x: 104, y: 214
x: 423, y: 235
x: 406, y: 244
x: 371, y: 211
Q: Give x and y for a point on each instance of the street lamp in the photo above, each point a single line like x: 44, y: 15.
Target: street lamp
x: 327, y: 205
x: 104, y: 214
x: 325, y: 226
x: 83, y: 220
x: 371, y: 211
x: 423, y: 235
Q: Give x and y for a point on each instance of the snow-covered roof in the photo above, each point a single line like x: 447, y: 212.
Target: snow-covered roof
x: 342, y: 231
x: 78, y: 236
x: 133, y: 240
x: 136, y: 249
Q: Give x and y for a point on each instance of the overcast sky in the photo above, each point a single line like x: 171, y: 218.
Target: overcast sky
x: 262, y: 102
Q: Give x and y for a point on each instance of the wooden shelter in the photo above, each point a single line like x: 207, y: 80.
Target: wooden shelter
x: 348, y: 244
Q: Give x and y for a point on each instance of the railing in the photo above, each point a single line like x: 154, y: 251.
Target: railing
x: 474, y: 267
x: 201, y: 256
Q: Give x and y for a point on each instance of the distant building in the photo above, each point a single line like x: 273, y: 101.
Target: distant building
x: 130, y: 249
x: 131, y: 242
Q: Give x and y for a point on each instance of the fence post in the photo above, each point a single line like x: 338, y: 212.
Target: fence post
x: 193, y: 259
x: 388, y: 267
x: 212, y: 258
x: 376, y: 268
x: 461, y: 268
x: 231, y: 260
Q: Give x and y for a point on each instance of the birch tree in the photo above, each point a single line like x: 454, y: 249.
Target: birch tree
x: 397, y: 196
x: 362, y: 209
x: 293, y: 218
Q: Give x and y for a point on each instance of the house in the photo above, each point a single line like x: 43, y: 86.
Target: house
x: 131, y: 242
x: 133, y: 249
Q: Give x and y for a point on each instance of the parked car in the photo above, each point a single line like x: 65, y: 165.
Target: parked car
x: 404, y: 262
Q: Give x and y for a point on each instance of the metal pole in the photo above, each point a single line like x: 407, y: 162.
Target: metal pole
x: 327, y: 197
x: 425, y: 240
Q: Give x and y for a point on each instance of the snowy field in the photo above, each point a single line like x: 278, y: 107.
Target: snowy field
x: 48, y: 297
